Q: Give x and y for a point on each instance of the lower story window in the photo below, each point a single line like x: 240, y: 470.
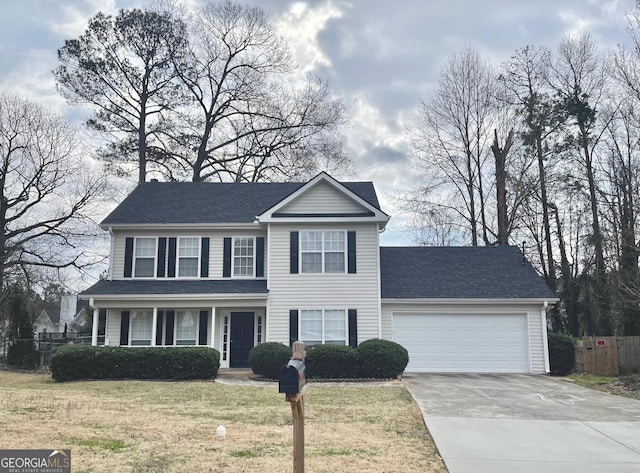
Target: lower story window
x: 186, y: 327
x: 323, y: 326
x: 141, y: 322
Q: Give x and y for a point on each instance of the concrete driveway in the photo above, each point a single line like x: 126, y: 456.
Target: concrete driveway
x: 527, y: 424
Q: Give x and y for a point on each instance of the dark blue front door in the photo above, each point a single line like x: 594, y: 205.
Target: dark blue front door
x: 242, y: 333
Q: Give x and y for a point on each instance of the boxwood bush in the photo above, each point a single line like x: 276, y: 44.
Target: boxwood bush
x: 382, y: 358
x: 332, y: 361
x: 372, y: 359
x: 266, y: 359
x: 562, y: 354
x: 88, y: 362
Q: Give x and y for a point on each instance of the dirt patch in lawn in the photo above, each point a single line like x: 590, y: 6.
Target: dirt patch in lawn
x: 626, y: 385
x: 155, y: 426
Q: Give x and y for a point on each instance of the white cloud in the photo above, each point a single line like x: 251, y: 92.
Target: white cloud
x: 300, y: 26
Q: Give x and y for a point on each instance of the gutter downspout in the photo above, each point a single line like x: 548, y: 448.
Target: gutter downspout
x: 545, y: 341
x: 379, y: 283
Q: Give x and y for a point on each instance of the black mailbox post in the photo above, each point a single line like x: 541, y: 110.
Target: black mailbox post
x: 291, y: 378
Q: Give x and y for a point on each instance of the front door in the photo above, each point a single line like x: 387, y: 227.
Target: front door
x: 242, y: 332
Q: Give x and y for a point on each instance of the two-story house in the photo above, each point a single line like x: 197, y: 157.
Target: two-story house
x: 231, y: 265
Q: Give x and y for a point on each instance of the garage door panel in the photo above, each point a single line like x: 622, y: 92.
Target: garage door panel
x: 466, y: 343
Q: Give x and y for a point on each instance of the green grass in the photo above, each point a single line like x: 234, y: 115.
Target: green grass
x: 590, y: 380
x: 112, y: 445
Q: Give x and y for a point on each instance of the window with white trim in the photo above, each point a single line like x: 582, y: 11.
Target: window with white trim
x: 144, y: 257
x: 186, y: 327
x: 141, y: 325
x: 323, y: 251
x: 243, y: 257
x: 328, y: 326
x: 188, y: 257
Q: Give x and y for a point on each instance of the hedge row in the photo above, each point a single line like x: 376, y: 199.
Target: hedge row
x: 89, y: 362
x: 371, y: 359
x: 562, y: 354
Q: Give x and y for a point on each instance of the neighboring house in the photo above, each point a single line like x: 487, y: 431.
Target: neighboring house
x: 48, y: 320
x: 54, y: 317
x: 231, y: 265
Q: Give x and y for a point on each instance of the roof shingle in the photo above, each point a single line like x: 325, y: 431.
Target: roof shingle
x: 495, y: 272
x: 210, y: 202
x: 173, y: 286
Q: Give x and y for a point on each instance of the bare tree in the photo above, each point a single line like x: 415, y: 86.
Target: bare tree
x: 578, y: 76
x: 524, y: 76
x: 248, y: 120
x: 47, y: 193
x: 453, y: 133
x: 122, y: 68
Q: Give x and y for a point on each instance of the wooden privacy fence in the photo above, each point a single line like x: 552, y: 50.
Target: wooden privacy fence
x: 608, y: 356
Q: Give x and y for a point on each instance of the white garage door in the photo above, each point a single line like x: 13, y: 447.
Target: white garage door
x: 464, y: 343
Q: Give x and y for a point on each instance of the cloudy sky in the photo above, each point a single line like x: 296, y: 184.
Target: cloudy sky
x: 379, y: 56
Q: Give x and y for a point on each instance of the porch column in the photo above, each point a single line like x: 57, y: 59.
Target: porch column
x: 154, y: 327
x: 213, y: 327
x: 94, y: 326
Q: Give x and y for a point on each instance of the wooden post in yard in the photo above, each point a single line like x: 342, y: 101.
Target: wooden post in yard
x: 297, y: 412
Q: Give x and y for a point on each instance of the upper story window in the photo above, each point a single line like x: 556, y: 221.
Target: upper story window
x: 145, y: 257
x: 243, y: 256
x: 188, y: 257
x: 323, y: 251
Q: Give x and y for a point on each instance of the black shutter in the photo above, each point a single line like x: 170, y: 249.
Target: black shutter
x: 202, y: 336
x: 159, y: 325
x: 162, y: 257
x: 260, y: 257
x: 226, y: 259
x: 124, y: 328
x: 293, y: 252
x: 171, y: 267
x: 204, y: 258
x: 293, y: 326
x: 168, y: 338
x: 128, y: 257
x: 353, y: 328
x: 351, y: 252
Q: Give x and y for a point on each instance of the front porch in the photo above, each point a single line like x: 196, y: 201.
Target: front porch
x: 231, y: 329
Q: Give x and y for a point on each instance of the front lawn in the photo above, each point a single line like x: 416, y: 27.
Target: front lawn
x: 154, y: 426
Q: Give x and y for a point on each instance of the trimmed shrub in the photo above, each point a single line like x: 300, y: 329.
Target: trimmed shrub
x: 382, y: 358
x: 562, y: 354
x: 89, y: 362
x: 331, y: 361
x: 266, y: 359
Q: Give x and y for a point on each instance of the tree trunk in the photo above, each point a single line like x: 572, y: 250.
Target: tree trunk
x: 500, y: 155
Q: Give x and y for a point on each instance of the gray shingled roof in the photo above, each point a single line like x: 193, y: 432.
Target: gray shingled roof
x: 498, y: 272
x: 173, y: 286
x: 210, y: 202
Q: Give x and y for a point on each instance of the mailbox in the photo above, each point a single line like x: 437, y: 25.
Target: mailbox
x: 291, y: 378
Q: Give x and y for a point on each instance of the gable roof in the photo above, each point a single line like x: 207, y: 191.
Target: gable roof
x: 366, y: 209
x: 493, y: 272
x: 211, y: 202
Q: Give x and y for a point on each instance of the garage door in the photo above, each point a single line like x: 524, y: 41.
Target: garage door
x: 464, y: 343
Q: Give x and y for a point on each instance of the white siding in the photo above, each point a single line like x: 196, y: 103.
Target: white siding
x: 532, y: 311
x: 216, y: 242
x: 323, y: 198
x: 323, y: 291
